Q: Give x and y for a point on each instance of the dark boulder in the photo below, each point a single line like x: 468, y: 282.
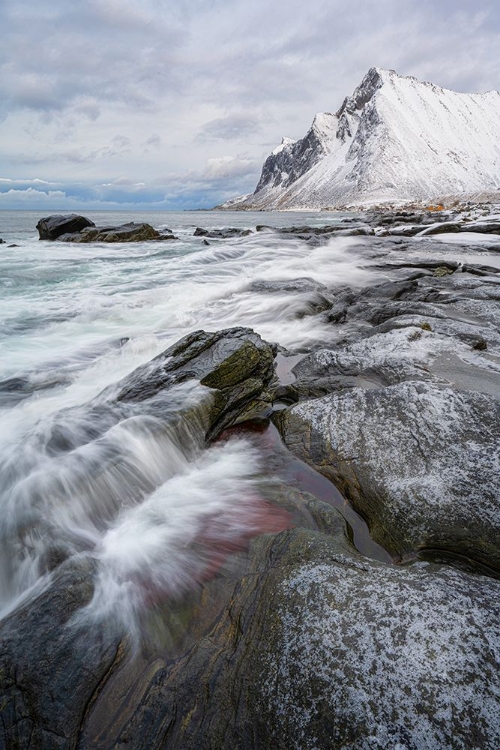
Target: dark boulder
x: 53, y: 227
x: 44, y: 661
x: 131, y: 232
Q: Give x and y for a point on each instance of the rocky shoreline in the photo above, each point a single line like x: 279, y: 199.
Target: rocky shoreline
x: 299, y: 640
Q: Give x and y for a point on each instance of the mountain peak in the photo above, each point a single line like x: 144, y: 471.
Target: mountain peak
x: 395, y: 138
x: 284, y: 142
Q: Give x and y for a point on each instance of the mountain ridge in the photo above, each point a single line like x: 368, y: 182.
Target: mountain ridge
x: 394, y: 139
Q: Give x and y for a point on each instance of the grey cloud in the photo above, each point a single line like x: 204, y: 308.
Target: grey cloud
x: 118, y: 147
x: 241, y: 125
x: 88, y: 109
x: 154, y: 141
x: 227, y: 53
x: 120, y: 141
x: 54, y: 55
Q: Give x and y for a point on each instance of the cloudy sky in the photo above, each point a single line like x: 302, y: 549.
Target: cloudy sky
x: 176, y: 103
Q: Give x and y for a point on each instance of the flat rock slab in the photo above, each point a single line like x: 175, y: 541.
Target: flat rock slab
x: 405, y: 347
x: 419, y: 460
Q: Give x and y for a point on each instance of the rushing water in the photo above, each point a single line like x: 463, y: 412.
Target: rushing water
x: 134, y: 486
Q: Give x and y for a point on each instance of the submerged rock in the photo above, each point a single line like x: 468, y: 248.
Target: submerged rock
x: 52, y: 227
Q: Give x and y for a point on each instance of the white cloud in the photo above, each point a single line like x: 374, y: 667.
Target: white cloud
x: 226, y: 167
x: 14, y: 198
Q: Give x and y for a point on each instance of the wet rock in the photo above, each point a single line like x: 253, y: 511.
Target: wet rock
x: 423, y: 263
x: 131, y: 232
x: 332, y: 632
x: 288, y: 285
x: 235, y: 363
x: 235, y: 367
x: 354, y: 232
x: 285, y: 649
x: 442, y: 228
x: 479, y: 270
x: 301, y: 230
x: 222, y: 234
x: 44, y: 660
x: 419, y: 460
x: 391, y: 310
x: 52, y: 227
x: 482, y: 227
x: 391, y: 219
x: 287, y: 394
x: 405, y: 230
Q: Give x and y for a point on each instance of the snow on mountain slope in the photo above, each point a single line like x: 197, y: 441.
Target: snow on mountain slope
x: 395, y: 139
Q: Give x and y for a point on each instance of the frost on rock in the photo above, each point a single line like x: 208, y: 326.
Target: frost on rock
x: 408, y: 353
x: 368, y: 657
x: 420, y: 460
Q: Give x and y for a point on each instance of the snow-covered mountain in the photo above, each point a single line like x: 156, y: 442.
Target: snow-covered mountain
x: 395, y: 139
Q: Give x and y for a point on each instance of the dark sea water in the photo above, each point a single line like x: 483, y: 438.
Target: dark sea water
x: 74, y: 320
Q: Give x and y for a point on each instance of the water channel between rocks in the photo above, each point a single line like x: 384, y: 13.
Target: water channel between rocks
x: 304, y: 478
